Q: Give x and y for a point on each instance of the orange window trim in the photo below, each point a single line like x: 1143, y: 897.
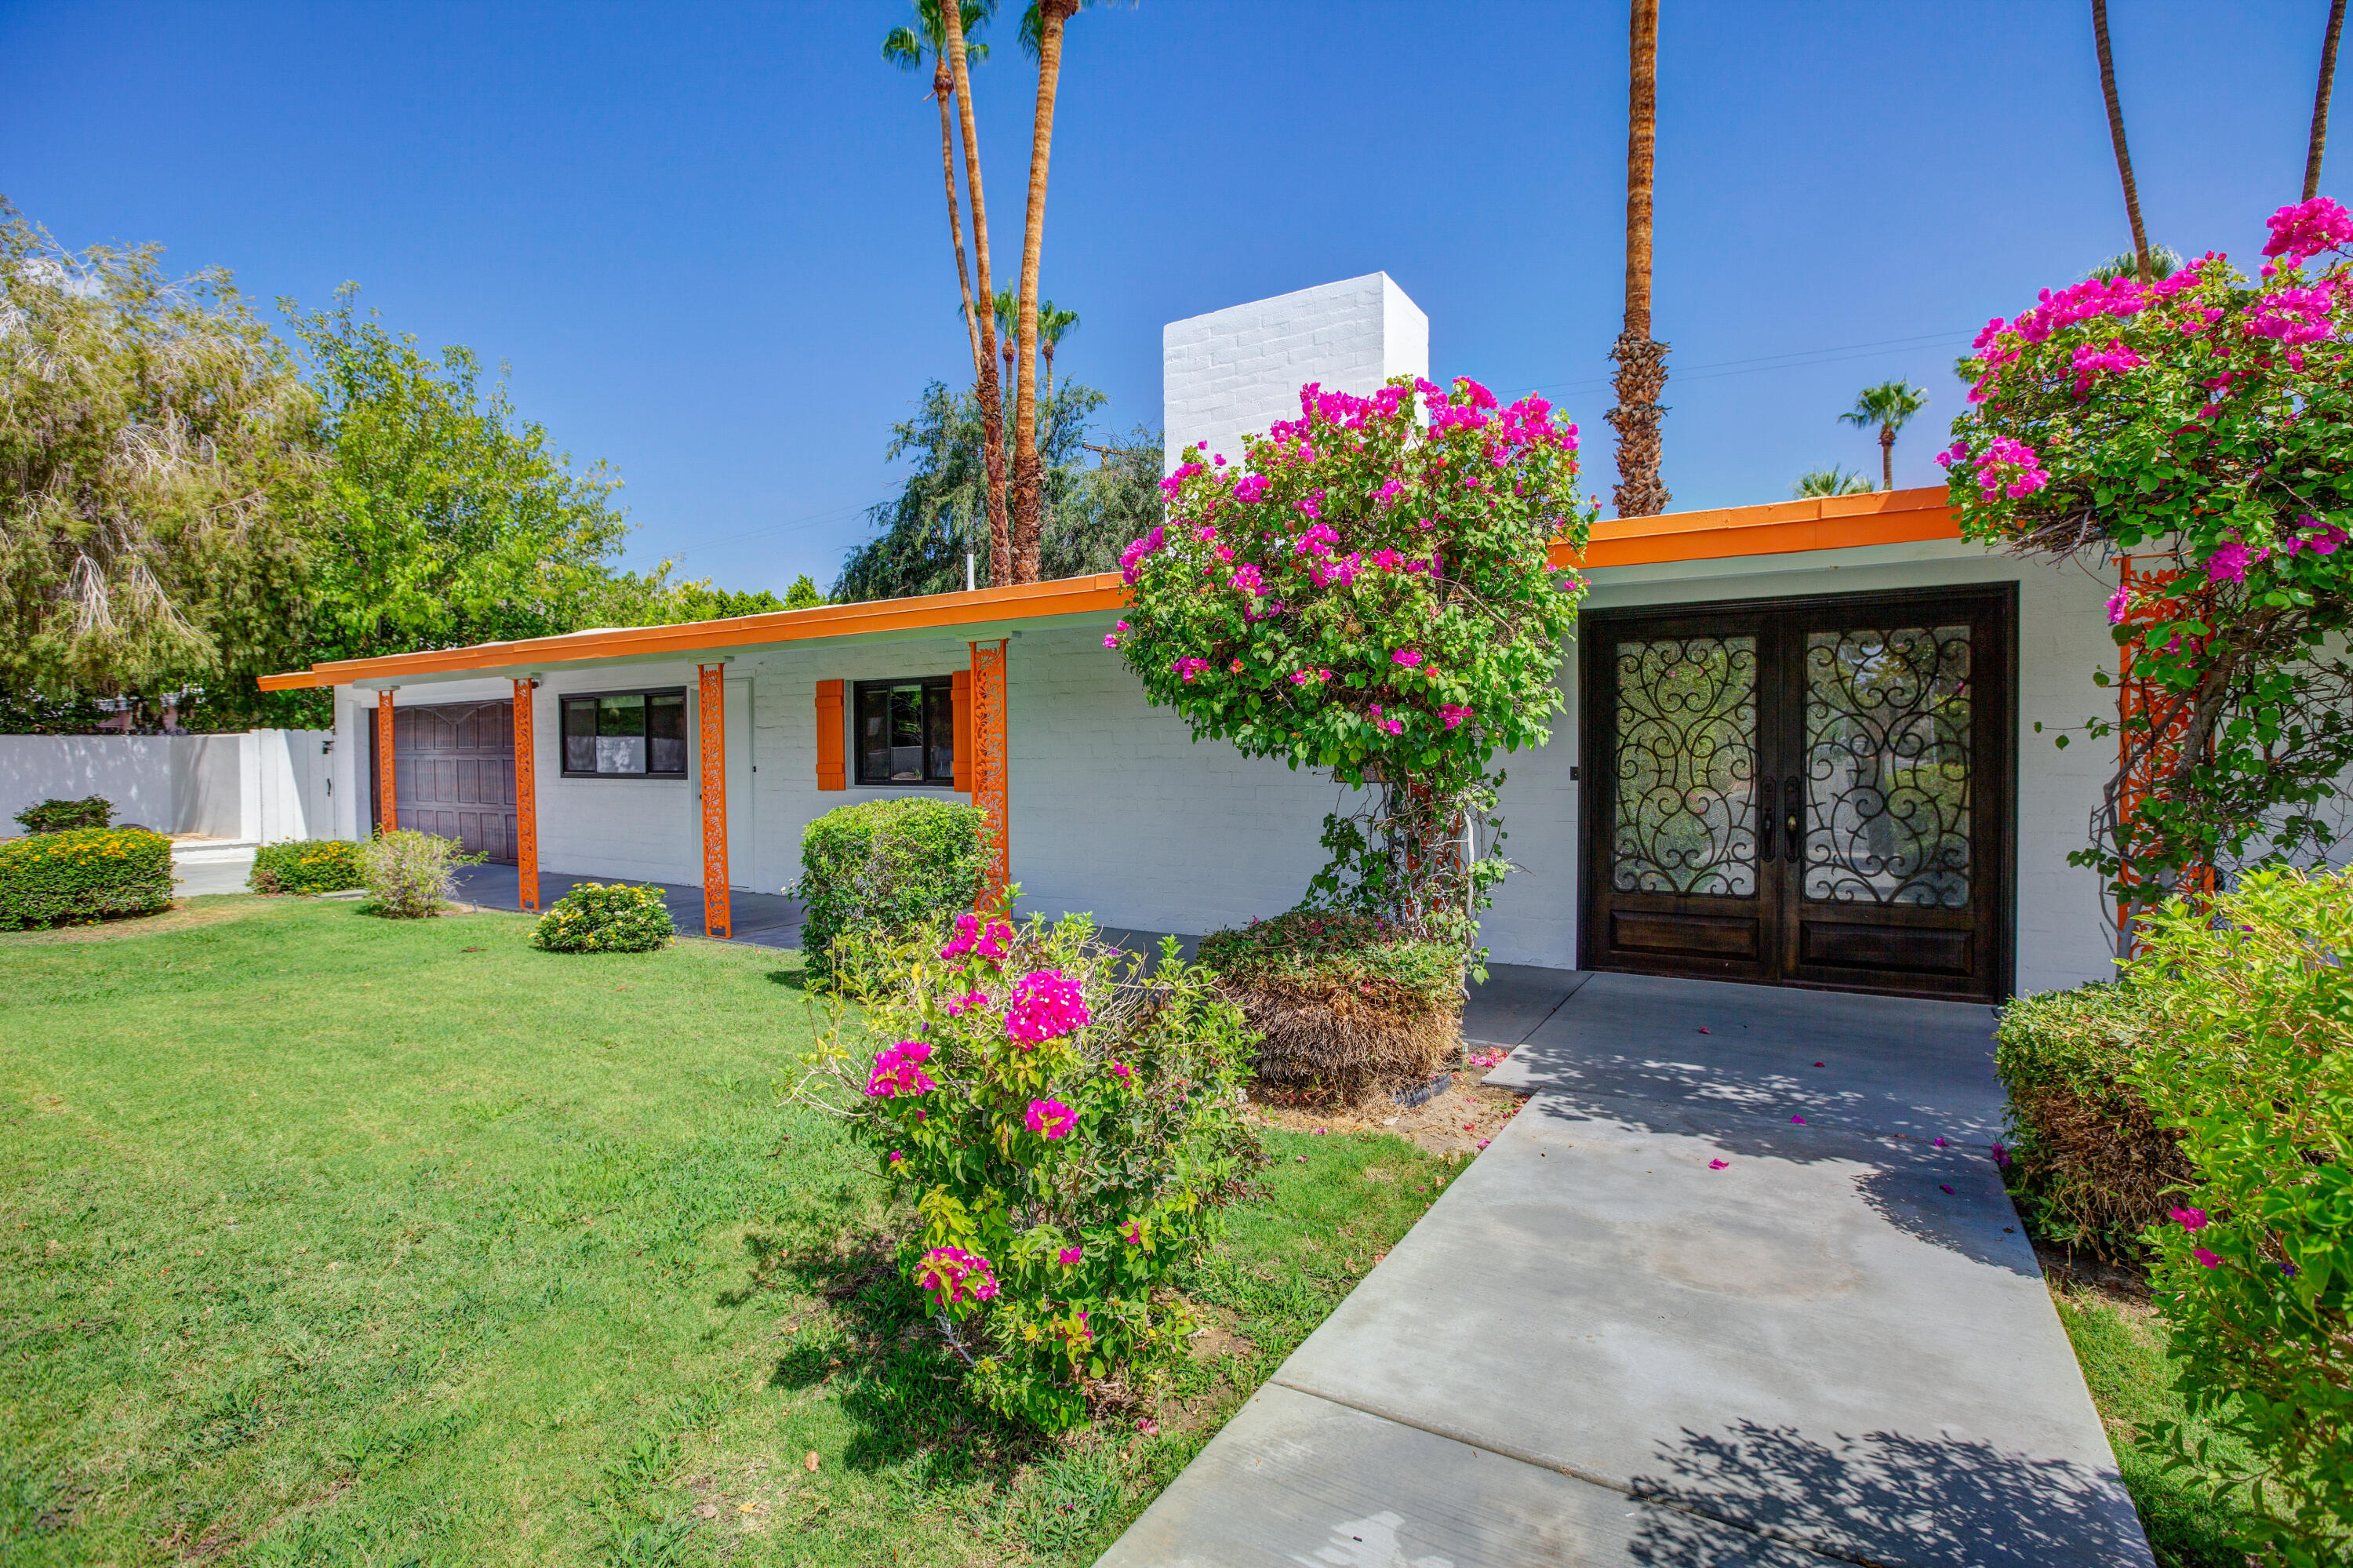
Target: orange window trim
x: 830, y: 772
x: 960, y: 697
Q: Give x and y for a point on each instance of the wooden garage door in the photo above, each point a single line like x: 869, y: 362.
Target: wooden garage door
x: 453, y: 767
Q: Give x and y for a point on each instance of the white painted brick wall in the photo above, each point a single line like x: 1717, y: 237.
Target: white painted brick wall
x: 1118, y: 811
x: 1236, y: 371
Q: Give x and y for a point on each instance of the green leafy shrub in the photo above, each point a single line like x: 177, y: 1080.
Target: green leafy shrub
x: 410, y: 875
x: 605, y: 917
x: 1346, y: 1006
x: 80, y: 874
x: 2252, y: 1005
x: 58, y: 816
x: 1070, y: 1129
x: 888, y: 866
x: 2088, y: 1163
x: 306, y: 866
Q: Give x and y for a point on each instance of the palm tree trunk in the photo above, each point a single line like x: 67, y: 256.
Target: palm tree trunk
x: 2320, y: 100
x: 1642, y: 362
x: 1028, y: 493
x: 2117, y: 135
x: 1888, y: 457
x: 944, y: 89
x: 992, y: 399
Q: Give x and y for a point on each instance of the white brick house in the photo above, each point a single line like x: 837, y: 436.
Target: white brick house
x: 1962, y: 889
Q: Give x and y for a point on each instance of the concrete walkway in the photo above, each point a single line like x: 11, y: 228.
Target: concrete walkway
x: 1599, y: 1347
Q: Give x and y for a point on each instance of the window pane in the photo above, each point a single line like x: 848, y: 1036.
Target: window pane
x: 621, y: 715
x: 873, y: 745
x: 666, y: 733
x: 939, y: 705
x: 579, y: 737
x: 906, y: 734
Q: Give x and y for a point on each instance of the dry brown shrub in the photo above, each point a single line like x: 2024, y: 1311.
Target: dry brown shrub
x: 1342, y: 1043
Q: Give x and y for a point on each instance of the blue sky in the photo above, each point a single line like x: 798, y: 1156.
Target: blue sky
x: 709, y: 240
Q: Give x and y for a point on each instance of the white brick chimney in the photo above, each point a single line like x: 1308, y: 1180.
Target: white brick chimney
x: 1237, y: 370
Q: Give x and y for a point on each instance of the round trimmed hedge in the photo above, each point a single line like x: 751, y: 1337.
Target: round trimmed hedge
x: 886, y: 865
x: 82, y: 874
x: 605, y: 917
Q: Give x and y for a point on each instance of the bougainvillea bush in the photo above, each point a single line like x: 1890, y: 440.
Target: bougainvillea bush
x: 1067, y: 1127
x: 2252, y: 1007
x: 2205, y: 424
x: 1370, y: 592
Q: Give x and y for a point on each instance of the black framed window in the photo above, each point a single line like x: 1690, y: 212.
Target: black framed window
x: 906, y: 731
x: 626, y: 735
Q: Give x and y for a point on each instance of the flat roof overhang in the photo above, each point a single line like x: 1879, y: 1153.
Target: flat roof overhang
x: 1787, y: 527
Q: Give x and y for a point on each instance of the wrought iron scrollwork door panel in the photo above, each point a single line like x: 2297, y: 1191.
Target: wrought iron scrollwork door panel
x: 1810, y: 792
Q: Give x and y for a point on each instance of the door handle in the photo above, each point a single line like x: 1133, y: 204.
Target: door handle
x: 1767, y: 821
x: 1793, y: 807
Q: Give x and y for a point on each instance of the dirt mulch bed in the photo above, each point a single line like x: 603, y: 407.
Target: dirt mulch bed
x: 1458, y: 1121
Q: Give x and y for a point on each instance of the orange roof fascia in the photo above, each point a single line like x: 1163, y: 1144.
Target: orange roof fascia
x: 1064, y: 595
x: 1781, y: 527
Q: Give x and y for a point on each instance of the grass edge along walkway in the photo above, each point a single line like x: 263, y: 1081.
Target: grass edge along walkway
x: 331, y: 1239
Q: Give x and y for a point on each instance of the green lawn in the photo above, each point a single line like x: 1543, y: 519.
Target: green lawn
x: 2121, y: 1348
x: 330, y: 1239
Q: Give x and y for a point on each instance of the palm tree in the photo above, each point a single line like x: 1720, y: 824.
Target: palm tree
x: 1829, y: 481
x: 1042, y: 29
x: 2320, y: 98
x: 2163, y: 262
x: 1890, y: 405
x: 1642, y: 362
x: 908, y: 48
x: 1053, y: 325
x: 990, y: 389
x: 2117, y: 135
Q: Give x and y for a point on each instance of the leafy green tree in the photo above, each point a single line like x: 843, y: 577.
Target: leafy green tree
x: 922, y: 536
x: 1832, y: 481
x: 1890, y: 406
x: 158, y: 476
x: 452, y: 522
x: 803, y: 594
x: 2163, y: 262
x: 1054, y: 324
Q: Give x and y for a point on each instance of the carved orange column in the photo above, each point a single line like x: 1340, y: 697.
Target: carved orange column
x: 526, y: 776
x: 388, y: 815
x: 989, y: 765
x: 713, y: 727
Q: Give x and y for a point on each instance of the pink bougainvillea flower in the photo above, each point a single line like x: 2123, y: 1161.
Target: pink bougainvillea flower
x: 2119, y: 604
x: 2206, y: 1259
x: 1044, y: 1005
x: 967, y: 926
x: 898, y: 1073
x: 1409, y: 657
x: 896, y: 1157
x: 1052, y: 1117
x: 1111, y: 639
x: 969, y: 1001
x: 1069, y: 1255
x: 1120, y: 1070
x: 1132, y: 1231
x: 2229, y: 561
x: 994, y: 941
x: 1719, y: 1164
x: 2307, y: 228
x: 2189, y: 1219
x: 1453, y: 714
x: 955, y: 1275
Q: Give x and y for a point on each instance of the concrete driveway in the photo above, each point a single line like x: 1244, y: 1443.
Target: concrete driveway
x: 1716, y: 1296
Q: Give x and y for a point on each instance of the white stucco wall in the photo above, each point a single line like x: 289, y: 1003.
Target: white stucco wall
x: 1237, y: 370
x: 253, y: 786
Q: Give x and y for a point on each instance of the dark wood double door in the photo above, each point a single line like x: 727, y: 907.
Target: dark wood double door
x: 1810, y: 792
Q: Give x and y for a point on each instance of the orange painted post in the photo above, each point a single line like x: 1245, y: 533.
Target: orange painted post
x: 988, y: 766
x: 2165, y: 718
x: 715, y: 918
x: 526, y: 775
x: 388, y: 813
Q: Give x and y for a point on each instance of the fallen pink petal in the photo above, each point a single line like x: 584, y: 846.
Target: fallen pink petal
x: 1799, y: 1120
x: 1719, y: 1164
